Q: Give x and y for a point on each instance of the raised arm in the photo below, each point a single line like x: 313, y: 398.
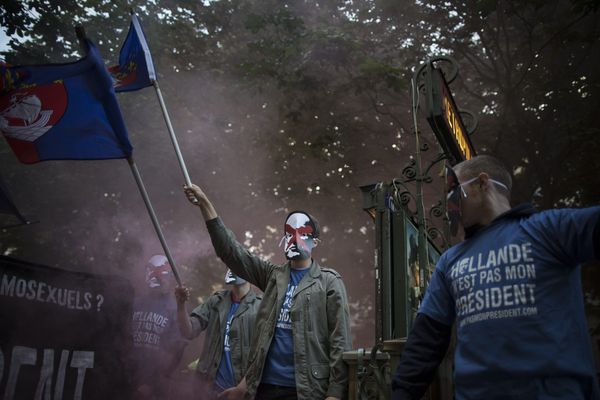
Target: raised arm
x: 197, y: 197
x: 570, y: 235
x: 243, y: 263
x: 182, y: 294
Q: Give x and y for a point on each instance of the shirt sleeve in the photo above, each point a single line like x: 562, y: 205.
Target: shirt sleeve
x: 424, y: 350
x: 241, y: 261
x: 200, y: 316
x: 570, y: 235
x: 439, y: 302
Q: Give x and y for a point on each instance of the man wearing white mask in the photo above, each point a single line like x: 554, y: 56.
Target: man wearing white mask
x: 303, y: 323
x: 228, y: 317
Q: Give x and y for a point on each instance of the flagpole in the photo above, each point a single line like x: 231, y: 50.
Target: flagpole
x: 163, y: 107
x: 153, y: 79
x: 144, y: 193
x: 140, y: 184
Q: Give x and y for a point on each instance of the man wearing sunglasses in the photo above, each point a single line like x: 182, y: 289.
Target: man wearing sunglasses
x: 513, y: 290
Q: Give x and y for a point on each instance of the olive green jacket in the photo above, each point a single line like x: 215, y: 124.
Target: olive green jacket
x: 212, y: 316
x: 319, y: 313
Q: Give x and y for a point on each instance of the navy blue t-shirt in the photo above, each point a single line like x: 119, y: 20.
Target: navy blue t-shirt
x: 279, y: 365
x: 155, y: 334
x: 225, y: 376
x: 514, y: 290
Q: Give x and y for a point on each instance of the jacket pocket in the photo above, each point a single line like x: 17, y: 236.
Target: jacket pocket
x: 319, y: 371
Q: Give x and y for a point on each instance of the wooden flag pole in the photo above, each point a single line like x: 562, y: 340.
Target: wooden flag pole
x: 140, y: 184
x: 161, y: 101
x: 163, y: 107
x: 161, y: 237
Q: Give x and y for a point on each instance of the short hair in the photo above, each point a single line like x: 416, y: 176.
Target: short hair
x: 488, y: 164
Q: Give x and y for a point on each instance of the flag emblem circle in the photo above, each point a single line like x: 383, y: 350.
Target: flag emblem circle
x: 28, y: 113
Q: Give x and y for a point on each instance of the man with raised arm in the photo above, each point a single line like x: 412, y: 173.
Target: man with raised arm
x: 303, y: 322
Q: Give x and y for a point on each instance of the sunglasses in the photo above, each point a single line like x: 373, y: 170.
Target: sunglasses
x: 455, y: 187
x: 453, y: 197
x: 452, y: 184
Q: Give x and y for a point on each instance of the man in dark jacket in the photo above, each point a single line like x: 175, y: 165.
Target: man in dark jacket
x: 303, y: 324
x: 228, y: 317
x: 513, y: 288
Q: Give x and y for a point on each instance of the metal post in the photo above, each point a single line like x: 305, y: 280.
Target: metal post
x: 422, y: 239
x: 163, y: 242
x: 163, y: 107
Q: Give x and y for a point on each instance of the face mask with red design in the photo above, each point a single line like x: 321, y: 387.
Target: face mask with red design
x: 157, y: 271
x: 301, y: 231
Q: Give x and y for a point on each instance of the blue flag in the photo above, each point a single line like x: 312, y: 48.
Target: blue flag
x: 62, y: 111
x: 136, y: 69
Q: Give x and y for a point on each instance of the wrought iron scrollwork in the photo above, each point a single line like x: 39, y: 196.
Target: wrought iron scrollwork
x: 435, y: 234
x: 374, y: 375
x: 404, y: 196
x: 440, y: 157
x: 409, y: 172
x: 437, y: 210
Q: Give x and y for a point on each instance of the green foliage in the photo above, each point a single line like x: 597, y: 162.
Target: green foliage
x: 282, y: 19
x: 377, y: 71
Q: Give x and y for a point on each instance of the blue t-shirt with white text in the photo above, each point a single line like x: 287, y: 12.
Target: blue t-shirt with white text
x: 279, y: 365
x: 154, y: 333
x: 514, y: 291
x: 225, y: 377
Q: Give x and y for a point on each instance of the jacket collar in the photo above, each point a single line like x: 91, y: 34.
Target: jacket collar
x: 313, y: 273
x: 250, y: 297
x: 315, y: 269
x: 245, y: 303
x: 225, y: 295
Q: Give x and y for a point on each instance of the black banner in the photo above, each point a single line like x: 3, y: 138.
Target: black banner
x: 63, y: 335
